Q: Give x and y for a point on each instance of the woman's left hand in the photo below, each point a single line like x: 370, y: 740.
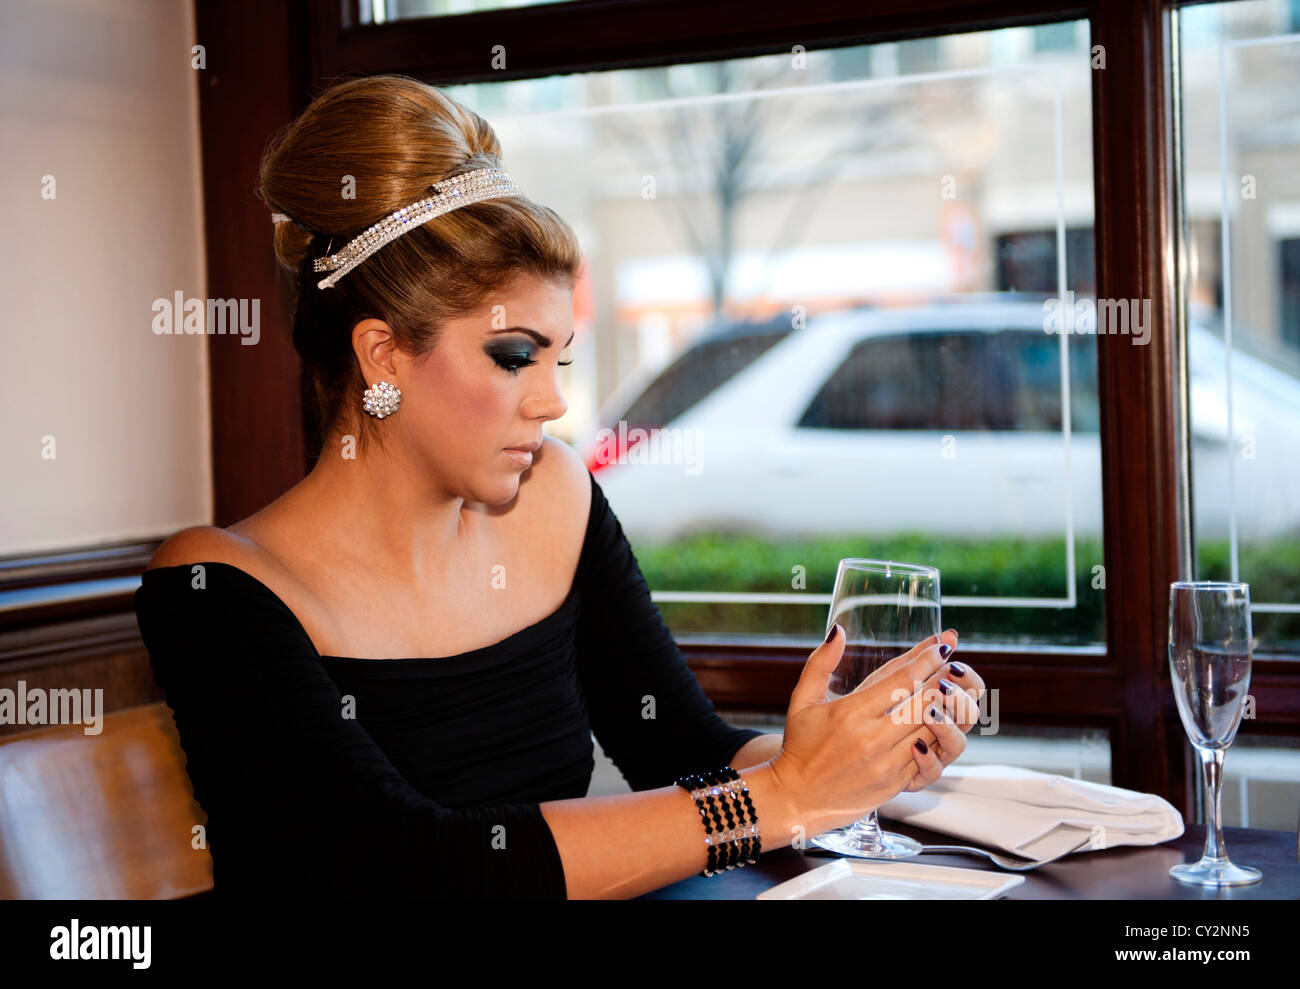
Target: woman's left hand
x: 951, y: 708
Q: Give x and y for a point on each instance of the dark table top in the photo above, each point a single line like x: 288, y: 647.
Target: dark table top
x: 1123, y: 873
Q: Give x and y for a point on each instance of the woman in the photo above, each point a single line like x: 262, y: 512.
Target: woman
x: 386, y: 680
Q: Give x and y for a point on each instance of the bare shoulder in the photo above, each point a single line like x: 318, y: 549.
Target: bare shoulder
x: 554, y: 502
x: 205, y: 544
x: 566, y: 484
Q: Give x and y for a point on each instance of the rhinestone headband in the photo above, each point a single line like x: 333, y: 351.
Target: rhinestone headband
x: 460, y: 190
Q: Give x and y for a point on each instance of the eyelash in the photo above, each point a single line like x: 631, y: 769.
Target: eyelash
x: 501, y: 360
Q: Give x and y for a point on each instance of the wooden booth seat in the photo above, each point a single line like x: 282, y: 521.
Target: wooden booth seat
x: 107, y: 816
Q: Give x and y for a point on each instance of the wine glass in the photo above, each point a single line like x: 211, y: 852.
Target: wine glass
x: 1209, y: 663
x: 884, y: 608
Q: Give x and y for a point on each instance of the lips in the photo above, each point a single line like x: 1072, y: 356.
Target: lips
x: 530, y: 448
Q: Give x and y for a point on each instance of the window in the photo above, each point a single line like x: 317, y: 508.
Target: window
x: 1026, y: 261
x: 698, y: 372
x: 1289, y: 301
x: 1243, y: 332
x: 905, y: 383
x: 917, y: 383
x: 805, y: 191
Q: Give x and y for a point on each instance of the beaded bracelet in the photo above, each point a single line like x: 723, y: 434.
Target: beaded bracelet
x: 716, y: 794
x: 718, y: 843
x: 736, y: 787
x: 699, y: 785
x: 745, y: 850
x: 730, y: 806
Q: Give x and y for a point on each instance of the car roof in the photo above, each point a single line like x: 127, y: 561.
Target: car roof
x: 976, y: 317
x: 788, y: 376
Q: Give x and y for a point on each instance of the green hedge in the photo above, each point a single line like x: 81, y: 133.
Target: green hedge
x: 985, y: 567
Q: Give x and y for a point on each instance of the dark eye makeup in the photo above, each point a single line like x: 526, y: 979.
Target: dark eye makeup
x: 514, y: 356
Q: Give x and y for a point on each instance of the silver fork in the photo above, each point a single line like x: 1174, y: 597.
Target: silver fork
x: 1010, y: 863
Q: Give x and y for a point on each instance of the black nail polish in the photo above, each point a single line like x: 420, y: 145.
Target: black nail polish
x: 945, y: 651
x: 957, y: 670
x: 934, y: 714
x: 921, y: 747
x: 946, y: 687
x: 831, y: 634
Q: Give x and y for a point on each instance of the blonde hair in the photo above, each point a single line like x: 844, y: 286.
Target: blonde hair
x: 395, y: 137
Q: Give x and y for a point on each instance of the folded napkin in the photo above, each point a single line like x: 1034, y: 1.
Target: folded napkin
x: 1036, y: 815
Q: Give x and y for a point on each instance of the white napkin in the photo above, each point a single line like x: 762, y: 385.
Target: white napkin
x: 1036, y: 815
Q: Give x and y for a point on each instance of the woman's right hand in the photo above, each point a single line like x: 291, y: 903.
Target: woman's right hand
x: 841, y: 759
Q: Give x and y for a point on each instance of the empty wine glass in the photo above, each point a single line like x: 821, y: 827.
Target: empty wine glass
x: 1209, y: 663
x: 884, y: 608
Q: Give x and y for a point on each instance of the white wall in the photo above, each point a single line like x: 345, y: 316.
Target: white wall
x: 100, y: 95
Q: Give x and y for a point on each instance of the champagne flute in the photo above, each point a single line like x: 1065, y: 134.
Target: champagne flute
x: 884, y: 608
x: 1209, y: 663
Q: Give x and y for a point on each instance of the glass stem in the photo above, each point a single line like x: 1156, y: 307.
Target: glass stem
x: 1212, y: 770
x: 866, y: 831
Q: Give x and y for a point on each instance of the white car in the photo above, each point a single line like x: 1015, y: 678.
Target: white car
x: 944, y: 419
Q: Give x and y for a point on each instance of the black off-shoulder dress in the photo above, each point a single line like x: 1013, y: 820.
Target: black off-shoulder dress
x: 414, y: 777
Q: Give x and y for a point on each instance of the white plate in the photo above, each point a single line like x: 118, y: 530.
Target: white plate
x: 865, y: 879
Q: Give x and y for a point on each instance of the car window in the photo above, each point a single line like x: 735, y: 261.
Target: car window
x: 697, y: 373
x: 965, y: 380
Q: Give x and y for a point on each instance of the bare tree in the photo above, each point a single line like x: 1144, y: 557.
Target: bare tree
x: 731, y: 138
